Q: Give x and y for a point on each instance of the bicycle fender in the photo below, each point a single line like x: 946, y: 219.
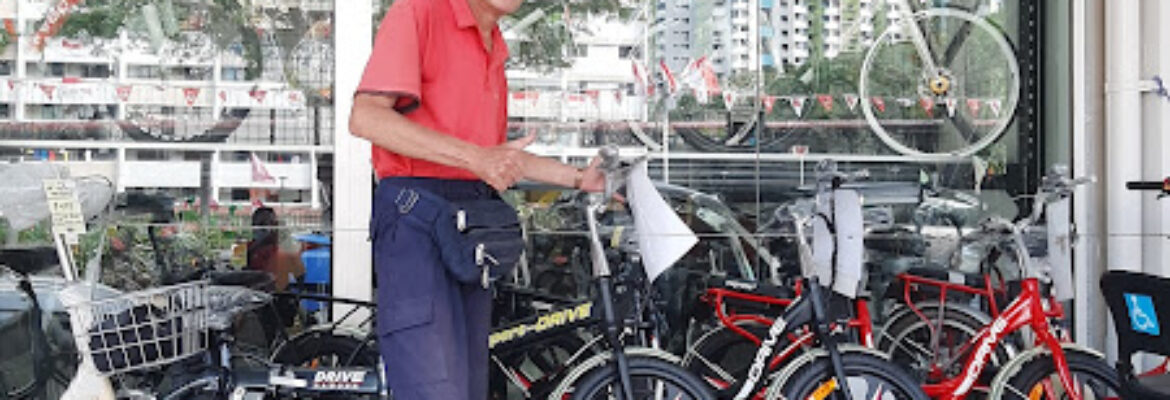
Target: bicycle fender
x: 808, y: 357
x: 1013, y: 367
x: 329, y: 329
x: 598, y: 359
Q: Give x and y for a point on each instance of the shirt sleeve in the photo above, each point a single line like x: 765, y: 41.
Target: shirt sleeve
x: 395, y: 63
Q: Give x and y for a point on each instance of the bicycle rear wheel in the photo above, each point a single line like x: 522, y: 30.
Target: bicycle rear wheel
x: 956, y: 110
x: 650, y: 378
x: 1037, y: 379
x: 868, y: 377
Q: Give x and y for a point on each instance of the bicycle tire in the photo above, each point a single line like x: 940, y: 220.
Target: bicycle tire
x: 671, y: 379
x: 862, y: 369
x: 537, y: 364
x: 1003, y: 46
x: 1025, y: 382
x: 963, y: 321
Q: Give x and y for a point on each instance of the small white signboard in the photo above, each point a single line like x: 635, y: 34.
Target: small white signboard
x: 67, y: 219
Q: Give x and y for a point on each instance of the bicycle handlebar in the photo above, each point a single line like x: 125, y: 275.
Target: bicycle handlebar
x: 1148, y: 185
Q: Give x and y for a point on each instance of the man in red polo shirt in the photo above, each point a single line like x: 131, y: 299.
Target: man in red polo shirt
x: 433, y: 102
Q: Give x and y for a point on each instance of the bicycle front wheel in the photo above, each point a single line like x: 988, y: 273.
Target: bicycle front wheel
x: 867, y: 376
x: 650, y: 378
x: 944, y: 84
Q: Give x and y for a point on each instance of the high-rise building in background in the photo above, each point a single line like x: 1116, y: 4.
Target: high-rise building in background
x: 788, y: 32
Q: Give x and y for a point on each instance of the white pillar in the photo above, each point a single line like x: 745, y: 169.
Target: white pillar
x: 1123, y: 139
x: 21, y: 71
x: 1087, y: 30
x: 1123, y: 134
x: 352, y: 258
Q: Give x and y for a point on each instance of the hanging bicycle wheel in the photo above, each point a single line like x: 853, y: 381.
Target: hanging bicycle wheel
x: 945, y: 85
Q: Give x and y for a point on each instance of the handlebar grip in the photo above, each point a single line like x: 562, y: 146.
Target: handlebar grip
x: 1145, y: 185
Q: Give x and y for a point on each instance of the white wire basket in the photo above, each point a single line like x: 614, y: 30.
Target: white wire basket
x: 141, y: 329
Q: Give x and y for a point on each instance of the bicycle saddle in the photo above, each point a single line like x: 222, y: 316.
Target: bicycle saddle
x: 27, y: 260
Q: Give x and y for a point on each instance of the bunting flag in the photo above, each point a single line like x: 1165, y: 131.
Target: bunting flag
x: 729, y: 99
x: 11, y: 84
x: 258, y: 95
x: 826, y: 102
x: 709, y: 77
x: 927, y: 104
x: 191, y: 95
x: 48, y: 90
x: 260, y: 172
x: 617, y: 95
x: 124, y: 92
x: 879, y: 103
x: 769, y: 102
x: 851, y: 101
x: 952, y: 104
x: 223, y: 95
x: 594, y: 95
x: 296, y: 97
x: 973, y: 105
x: 905, y: 102
x: 797, y: 104
x: 10, y: 26
x: 668, y: 77
x: 640, y: 79
x: 995, y: 106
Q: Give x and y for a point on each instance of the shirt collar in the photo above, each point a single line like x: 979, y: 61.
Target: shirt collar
x: 463, y: 16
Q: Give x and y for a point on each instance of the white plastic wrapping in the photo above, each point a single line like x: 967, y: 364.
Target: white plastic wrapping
x: 22, y: 194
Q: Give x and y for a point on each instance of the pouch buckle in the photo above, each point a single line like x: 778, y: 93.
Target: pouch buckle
x: 406, y: 200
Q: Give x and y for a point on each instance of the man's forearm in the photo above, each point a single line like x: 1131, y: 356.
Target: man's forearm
x: 551, y: 171
x: 374, y: 120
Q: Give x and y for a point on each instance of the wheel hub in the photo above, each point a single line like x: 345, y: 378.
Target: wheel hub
x: 939, y: 85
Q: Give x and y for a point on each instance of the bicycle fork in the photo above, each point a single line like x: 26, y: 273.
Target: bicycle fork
x: 820, y: 326
x: 613, y: 335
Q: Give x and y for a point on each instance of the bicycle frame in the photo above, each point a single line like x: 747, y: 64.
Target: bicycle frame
x: 1029, y: 310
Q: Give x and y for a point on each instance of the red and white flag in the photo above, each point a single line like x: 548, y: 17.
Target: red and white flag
x: 296, y: 97
x: 594, y: 95
x: 641, y: 79
x: 797, y: 104
x: 124, y: 92
x: 671, y: 84
x: 260, y: 172
x: 878, y: 103
x: 769, y: 102
x: 952, y: 104
x: 995, y: 105
x: 826, y: 101
x: 191, y: 95
x: 927, y: 104
x: 729, y: 99
x: 973, y: 106
x: 851, y: 101
x: 223, y: 95
x: 258, y: 94
x: 48, y: 90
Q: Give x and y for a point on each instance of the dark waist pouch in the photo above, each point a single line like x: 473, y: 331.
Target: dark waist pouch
x: 480, y: 239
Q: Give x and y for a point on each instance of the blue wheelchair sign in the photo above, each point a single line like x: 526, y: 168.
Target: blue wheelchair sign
x: 1142, y: 315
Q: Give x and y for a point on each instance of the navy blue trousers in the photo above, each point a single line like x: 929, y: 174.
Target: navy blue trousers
x: 432, y: 330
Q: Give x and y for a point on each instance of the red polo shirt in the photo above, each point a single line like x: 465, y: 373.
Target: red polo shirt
x: 431, y: 55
